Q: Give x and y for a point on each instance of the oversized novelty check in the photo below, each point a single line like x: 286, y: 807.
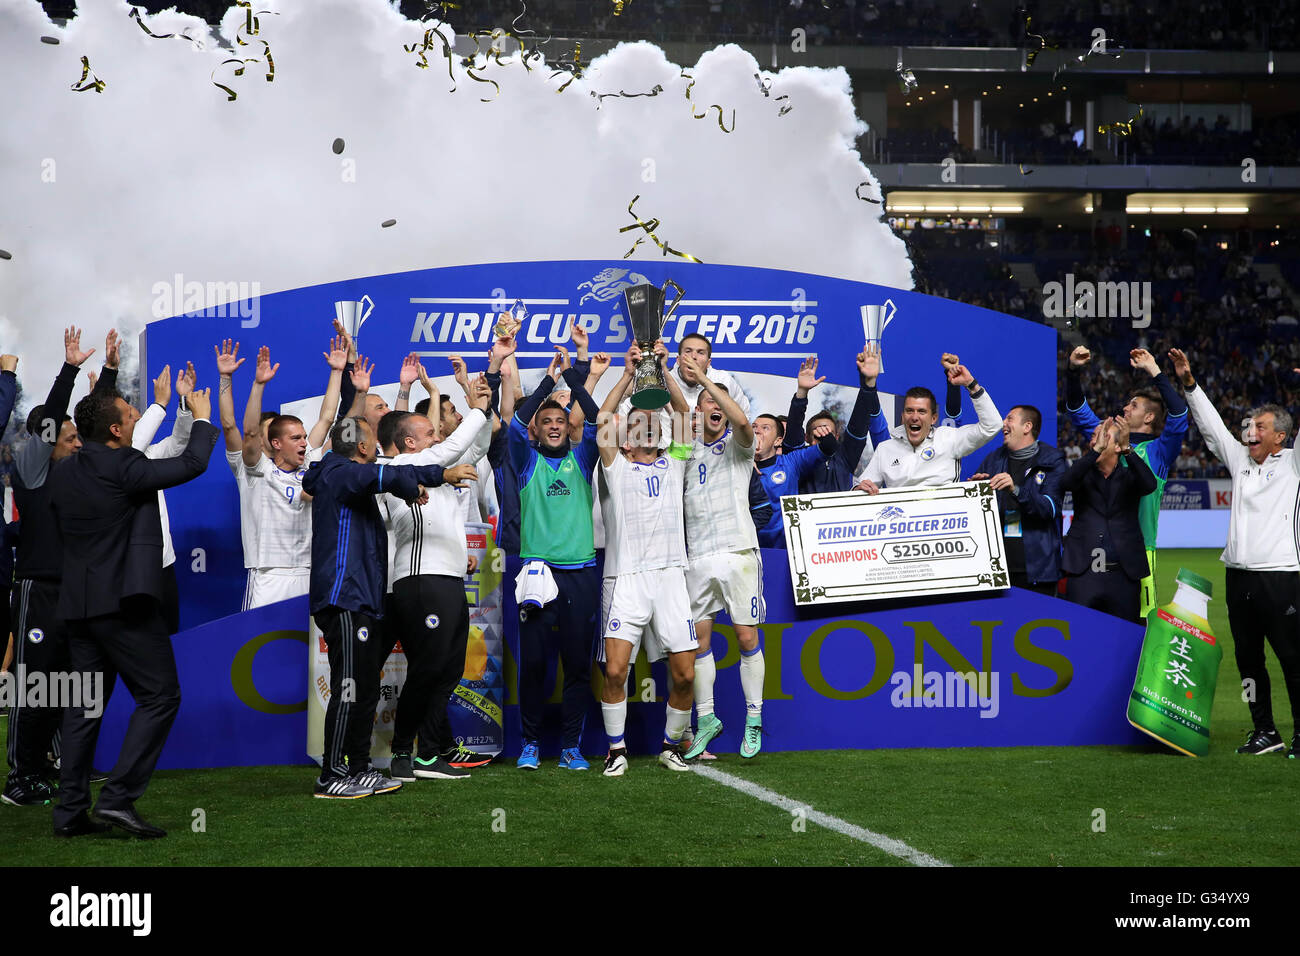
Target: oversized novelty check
x: 902, y: 542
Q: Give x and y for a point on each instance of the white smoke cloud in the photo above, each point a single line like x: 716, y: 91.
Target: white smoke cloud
x: 107, y: 194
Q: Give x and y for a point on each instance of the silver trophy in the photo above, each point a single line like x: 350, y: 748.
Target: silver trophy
x: 353, y: 315
x: 645, y: 313
x: 875, y: 318
x: 511, y: 321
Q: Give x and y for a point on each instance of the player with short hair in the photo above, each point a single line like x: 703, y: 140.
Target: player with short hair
x: 349, y: 580
x: 429, y: 611
x: 928, y: 454
x: 557, y: 585
x: 277, y: 506
x: 278, y: 567
x: 644, y: 595
x: 698, y: 350
x: 725, y: 570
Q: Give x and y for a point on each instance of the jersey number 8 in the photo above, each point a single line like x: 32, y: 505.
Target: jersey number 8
x: 704, y: 472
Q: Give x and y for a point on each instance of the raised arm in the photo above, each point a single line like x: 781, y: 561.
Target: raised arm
x: 607, y: 433
x: 1083, y: 417
x: 264, y: 372
x: 337, y: 359
x: 970, y: 437
x: 866, y: 408
x: 359, y: 377
x: 175, y: 443
x: 741, y: 426
x: 1221, y: 442
x: 227, y: 361
x: 153, y: 416
x: 805, y: 382
x: 141, y: 474
x: 1163, y: 452
x: 406, y: 377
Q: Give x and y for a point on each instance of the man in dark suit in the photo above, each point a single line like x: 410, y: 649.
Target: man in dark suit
x: 106, y: 503
x: 1026, y: 474
x: 1105, y: 553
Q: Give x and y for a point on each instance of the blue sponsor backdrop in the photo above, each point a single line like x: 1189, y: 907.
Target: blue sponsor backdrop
x: 1057, y: 675
x: 759, y: 320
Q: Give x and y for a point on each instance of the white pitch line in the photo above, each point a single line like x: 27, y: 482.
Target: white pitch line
x: 881, y: 842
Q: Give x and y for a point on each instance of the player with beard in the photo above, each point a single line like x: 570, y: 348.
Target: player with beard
x: 644, y: 596
x: 725, y: 570
x: 557, y: 586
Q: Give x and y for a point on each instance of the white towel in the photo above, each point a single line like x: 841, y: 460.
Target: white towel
x: 534, y: 587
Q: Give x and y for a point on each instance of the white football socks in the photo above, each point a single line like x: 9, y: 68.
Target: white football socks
x: 751, y: 680
x: 615, y: 717
x: 705, y: 673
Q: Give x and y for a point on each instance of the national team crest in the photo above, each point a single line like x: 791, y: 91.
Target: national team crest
x: 719, y: 448
x: 36, y: 635
x: 431, y: 621
x: 363, y: 634
x: 778, y: 477
x: 614, y: 624
x: 927, y: 454
x: 1040, y: 477
x: 608, y: 283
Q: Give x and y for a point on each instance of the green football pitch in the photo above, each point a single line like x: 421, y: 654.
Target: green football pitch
x: 1039, y: 806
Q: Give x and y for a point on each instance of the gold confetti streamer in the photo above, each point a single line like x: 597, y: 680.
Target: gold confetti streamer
x: 711, y: 106
x: 648, y: 228
x: 618, y: 7
x: 655, y: 91
x: 576, y: 66
x: 1124, y: 127
x: 53, y: 41
x: 81, y: 85
x: 469, y: 66
x: 858, y: 192
x: 1031, y: 55
x: 764, y: 84
x: 231, y: 95
x: 1025, y: 172
x: 785, y: 109
x: 135, y: 15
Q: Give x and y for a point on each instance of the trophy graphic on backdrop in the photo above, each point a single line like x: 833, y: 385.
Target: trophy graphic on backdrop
x: 511, y: 321
x: 645, y: 313
x: 874, y: 320
x: 353, y: 315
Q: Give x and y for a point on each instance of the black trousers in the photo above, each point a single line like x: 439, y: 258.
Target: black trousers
x: 1019, y: 579
x: 133, y: 644
x: 40, y: 647
x: 572, y: 615
x: 1111, y: 591
x: 1265, y: 606
x: 430, y: 616
x: 354, y: 642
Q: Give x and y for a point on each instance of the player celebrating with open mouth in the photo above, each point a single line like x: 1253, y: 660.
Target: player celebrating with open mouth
x: 644, y: 593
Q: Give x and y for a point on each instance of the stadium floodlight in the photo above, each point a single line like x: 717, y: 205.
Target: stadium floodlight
x: 1233, y: 209
x: 1008, y: 208
x: 895, y: 207
x: 1132, y: 210
x: 1156, y: 209
x: 1198, y: 209
x: 972, y: 208
x: 929, y: 208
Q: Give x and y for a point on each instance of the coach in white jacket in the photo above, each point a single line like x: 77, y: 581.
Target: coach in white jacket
x: 929, y: 454
x: 427, y: 608
x: 1263, y: 588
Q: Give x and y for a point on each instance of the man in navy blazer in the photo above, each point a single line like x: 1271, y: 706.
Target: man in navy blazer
x: 105, y: 501
x: 1026, y: 474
